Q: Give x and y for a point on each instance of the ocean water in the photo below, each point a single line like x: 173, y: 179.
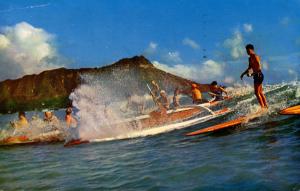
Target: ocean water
x: 263, y: 154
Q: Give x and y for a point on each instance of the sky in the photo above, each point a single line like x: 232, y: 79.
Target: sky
x: 196, y: 39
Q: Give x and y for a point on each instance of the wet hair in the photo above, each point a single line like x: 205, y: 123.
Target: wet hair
x: 249, y: 47
x: 21, y: 113
x: 214, y: 83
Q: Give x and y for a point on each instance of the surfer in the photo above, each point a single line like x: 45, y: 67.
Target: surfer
x: 22, y: 122
x: 217, y: 91
x: 70, y: 120
x: 163, y: 100
x: 254, y: 69
x: 51, y: 119
x: 176, y: 98
x: 196, y: 95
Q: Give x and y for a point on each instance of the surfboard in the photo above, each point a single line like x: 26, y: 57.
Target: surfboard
x: 295, y: 110
x: 227, y: 124
x: 75, y: 142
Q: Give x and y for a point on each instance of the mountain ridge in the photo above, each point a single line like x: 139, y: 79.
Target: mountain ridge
x: 51, y: 88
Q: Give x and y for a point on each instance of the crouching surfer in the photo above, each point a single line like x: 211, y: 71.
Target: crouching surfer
x: 196, y: 95
x: 217, y: 91
x: 254, y: 69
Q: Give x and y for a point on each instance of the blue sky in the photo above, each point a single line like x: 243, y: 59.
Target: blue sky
x: 191, y: 36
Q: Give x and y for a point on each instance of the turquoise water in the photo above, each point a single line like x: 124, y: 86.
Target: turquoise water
x: 261, y: 155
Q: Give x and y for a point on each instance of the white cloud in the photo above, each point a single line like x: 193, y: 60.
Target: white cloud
x: 4, y: 42
x: 172, y: 57
x: 206, y: 72
x: 235, y: 45
x: 191, y: 43
x: 25, y: 49
x: 151, y: 49
x: 284, y: 21
x: 248, y: 27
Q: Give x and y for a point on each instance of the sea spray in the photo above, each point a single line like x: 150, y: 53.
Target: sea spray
x: 99, y: 116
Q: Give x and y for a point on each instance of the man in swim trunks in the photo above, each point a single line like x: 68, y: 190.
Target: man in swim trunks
x: 217, y: 91
x: 255, y: 70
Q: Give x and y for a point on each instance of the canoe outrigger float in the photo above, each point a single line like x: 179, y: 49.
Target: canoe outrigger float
x: 49, y: 137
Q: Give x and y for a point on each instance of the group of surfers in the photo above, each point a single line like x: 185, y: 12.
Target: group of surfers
x: 160, y: 97
x: 49, y: 119
x: 217, y: 92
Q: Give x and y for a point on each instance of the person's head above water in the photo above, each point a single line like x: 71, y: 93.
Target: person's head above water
x: 250, y: 49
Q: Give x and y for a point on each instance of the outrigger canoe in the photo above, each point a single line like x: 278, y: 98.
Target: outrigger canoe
x: 156, y: 124
x: 153, y: 123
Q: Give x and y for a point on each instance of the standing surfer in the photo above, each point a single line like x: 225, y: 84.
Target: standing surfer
x: 254, y: 70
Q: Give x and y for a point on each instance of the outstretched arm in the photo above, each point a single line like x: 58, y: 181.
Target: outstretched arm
x: 244, y: 73
x: 223, y: 90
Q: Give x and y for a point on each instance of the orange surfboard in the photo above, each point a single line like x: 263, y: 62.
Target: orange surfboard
x: 75, y: 142
x: 295, y: 110
x: 227, y: 124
